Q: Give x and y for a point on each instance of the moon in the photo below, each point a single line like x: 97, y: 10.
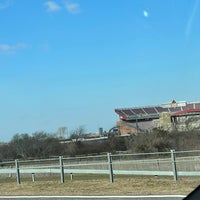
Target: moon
x: 145, y: 13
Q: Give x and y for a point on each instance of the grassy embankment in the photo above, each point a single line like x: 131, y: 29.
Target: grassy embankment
x: 99, y: 185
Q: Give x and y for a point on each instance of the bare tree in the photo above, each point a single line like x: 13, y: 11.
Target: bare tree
x: 40, y: 144
x: 78, y: 133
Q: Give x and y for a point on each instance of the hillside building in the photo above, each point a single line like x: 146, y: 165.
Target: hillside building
x: 180, y: 116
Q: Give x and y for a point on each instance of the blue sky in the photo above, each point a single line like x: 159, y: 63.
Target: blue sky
x: 71, y: 63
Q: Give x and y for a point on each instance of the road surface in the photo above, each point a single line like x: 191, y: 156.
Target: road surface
x: 153, y: 197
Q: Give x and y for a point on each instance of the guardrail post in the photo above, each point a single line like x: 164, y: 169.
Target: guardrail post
x: 71, y: 176
x: 62, y: 174
x: 17, y: 171
x: 110, y: 167
x: 173, y: 157
x: 33, y: 177
x: 10, y: 174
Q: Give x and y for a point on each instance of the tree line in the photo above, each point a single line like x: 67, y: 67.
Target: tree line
x: 44, y: 145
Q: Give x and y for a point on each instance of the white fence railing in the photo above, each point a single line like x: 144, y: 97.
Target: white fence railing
x: 179, y: 163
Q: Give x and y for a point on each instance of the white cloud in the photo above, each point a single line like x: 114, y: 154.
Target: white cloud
x: 6, y: 48
x: 145, y: 13
x: 44, y: 47
x: 73, y: 8
x: 191, y: 18
x: 52, y: 6
x: 5, y: 4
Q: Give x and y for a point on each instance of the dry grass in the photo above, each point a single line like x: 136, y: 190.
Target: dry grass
x: 99, y: 185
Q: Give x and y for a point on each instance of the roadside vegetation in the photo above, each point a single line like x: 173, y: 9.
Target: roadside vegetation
x: 99, y: 185
x: 44, y: 145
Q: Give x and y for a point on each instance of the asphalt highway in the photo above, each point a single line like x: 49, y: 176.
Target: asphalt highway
x: 154, y: 197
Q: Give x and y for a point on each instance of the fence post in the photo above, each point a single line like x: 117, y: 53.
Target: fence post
x: 173, y: 157
x: 62, y: 174
x: 17, y: 171
x: 110, y: 167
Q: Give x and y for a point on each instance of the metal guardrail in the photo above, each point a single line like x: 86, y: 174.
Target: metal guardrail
x: 180, y: 163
